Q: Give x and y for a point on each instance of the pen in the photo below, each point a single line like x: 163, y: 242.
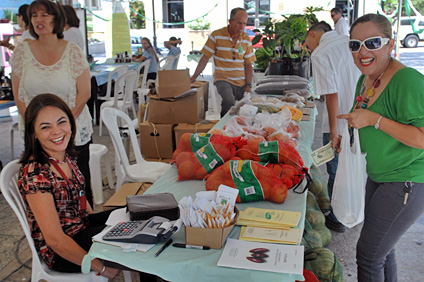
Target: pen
x: 178, y: 245
x: 164, y: 247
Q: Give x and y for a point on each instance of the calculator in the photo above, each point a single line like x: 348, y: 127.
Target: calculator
x: 151, y: 231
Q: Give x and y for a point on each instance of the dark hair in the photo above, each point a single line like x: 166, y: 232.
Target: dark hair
x: 382, y: 23
x: 150, y: 49
x: 52, y: 8
x: 173, y: 38
x: 71, y: 16
x: 234, y: 12
x: 336, y: 10
x: 322, y: 26
x: 32, y: 145
x: 23, y: 11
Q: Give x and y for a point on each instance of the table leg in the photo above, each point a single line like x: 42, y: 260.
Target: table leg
x: 93, y: 102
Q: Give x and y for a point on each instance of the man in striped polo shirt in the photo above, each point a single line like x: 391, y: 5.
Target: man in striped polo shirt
x: 335, y: 76
x: 233, y: 56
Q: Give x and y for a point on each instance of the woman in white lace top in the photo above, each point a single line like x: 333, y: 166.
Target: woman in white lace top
x: 50, y: 64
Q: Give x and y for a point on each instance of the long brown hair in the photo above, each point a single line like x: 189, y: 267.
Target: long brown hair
x: 32, y: 145
x: 150, y: 49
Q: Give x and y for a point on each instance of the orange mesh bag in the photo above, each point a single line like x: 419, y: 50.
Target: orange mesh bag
x: 271, y: 152
x: 254, y: 181
x: 287, y: 173
x: 191, y: 142
x: 196, y: 165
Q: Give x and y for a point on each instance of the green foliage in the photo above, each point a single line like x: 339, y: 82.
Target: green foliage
x: 136, y: 15
x: 288, y: 32
x: 419, y: 5
x: 263, y: 56
x: 200, y: 24
x: 10, y: 15
x: 89, y: 22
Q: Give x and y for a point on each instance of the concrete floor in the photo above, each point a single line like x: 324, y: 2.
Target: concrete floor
x: 15, y: 255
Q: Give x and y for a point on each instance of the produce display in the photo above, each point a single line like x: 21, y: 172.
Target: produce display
x: 255, y: 152
x: 254, y: 181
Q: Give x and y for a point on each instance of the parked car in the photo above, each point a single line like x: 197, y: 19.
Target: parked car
x: 252, y: 34
x: 135, y: 43
x: 407, y: 36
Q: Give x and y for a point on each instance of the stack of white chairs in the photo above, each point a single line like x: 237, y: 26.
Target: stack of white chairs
x: 123, y: 98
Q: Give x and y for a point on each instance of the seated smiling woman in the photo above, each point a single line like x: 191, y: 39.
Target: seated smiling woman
x: 52, y: 186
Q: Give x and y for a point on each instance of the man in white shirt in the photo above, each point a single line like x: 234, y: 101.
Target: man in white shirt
x: 335, y: 76
x: 340, y: 24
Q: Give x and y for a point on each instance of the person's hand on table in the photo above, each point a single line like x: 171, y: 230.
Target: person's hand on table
x: 192, y: 79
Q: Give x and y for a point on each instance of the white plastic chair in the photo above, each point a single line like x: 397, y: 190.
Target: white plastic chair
x: 143, y: 90
x: 176, y: 60
x: 96, y: 153
x: 123, y: 98
x: 167, y: 61
x: 113, y: 75
x: 10, y: 190
x: 143, y: 82
x: 142, y: 170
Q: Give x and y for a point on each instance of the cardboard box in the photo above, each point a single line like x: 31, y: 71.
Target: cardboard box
x: 306, y: 114
x: 157, y: 140
x: 203, y: 88
x: 201, y: 127
x: 119, y: 199
x: 210, y: 237
x: 172, y: 83
x: 189, y: 109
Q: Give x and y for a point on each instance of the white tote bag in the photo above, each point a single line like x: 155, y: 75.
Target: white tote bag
x: 348, y: 199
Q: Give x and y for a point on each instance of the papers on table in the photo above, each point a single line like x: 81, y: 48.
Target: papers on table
x: 291, y: 236
x: 268, y: 218
x: 126, y: 247
x: 262, y: 256
x: 115, y: 217
x: 270, y: 226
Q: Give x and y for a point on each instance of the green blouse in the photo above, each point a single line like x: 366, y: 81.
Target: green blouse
x: 389, y: 160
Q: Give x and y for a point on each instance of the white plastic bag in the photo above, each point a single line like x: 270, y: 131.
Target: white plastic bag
x: 348, y: 199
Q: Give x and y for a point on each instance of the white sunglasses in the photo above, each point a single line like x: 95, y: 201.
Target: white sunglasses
x: 371, y: 44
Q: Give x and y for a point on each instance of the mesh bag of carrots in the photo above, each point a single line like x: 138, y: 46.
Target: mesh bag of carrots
x: 195, y: 162
x: 191, y: 142
x: 254, y: 181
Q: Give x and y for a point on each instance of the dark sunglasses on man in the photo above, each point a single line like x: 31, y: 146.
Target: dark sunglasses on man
x: 371, y: 44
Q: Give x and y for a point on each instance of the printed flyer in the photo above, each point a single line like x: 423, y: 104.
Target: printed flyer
x: 262, y: 256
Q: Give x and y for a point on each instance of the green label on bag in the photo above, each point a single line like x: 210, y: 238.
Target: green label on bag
x: 250, y: 189
x: 268, y: 151
x: 198, y: 140
x: 209, y: 158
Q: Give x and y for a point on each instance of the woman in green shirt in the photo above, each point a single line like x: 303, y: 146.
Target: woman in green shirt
x: 389, y: 113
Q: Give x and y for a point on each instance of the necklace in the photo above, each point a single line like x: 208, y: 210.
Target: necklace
x: 370, y: 91
x: 59, y: 162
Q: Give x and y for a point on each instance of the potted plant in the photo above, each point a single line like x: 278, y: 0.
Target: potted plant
x: 289, y: 34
